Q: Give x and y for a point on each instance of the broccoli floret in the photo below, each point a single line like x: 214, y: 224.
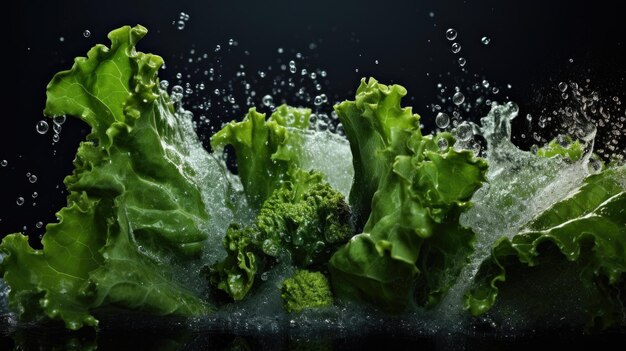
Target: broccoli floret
x: 304, y: 217
x: 305, y: 290
x: 304, y: 220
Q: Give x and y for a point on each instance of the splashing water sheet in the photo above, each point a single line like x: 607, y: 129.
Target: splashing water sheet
x: 232, y: 207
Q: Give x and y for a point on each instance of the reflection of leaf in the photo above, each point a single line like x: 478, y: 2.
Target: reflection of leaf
x: 134, y: 212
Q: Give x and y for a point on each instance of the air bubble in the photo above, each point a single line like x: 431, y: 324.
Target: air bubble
x: 594, y: 166
x: 495, y: 90
x: 4, y: 163
x: 451, y: 34
x: 19, y: 201
x: 317, y: 101
x: 485, y: 40
x: 443, y: 144
x: 292, y: 66
x: 464, y: 131
x: 32, y: 178
x: 458, y: 98
x: 42, y: 127
x: 264, y: 276
x: 462, y: 61
x: 86, y: 33
x: 442, y: 120
x: 59, y: 119
x: 562, y: 86
x: 456, y: 48
x: 267, y: 100
x: 39, y: 224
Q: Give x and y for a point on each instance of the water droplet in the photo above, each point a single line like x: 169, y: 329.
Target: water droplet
x: 267, y: 100
x: 594, y: 166
x: 451, y: 34
x: 86, y: 33
x: 264, y: 276
x: 292, y: 66
x: 59, y: 119
x: 32, y: 178
x: 485, y: 40
x: 456, y: 47
x: 464, y: 131
x: 19, y: 201
x: 39, y: 224
x: 42, y: 127
x: 442, y: 120
x: 458, y: 98
x: 462, y: 61
x: 4, y: 163
x: 562, y: 86
x: 443, y: 144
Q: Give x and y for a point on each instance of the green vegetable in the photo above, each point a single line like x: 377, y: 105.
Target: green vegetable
x: 378, y: 130
x: 306, y: 290
x: 587, y: 228
x: 265, y: 150
x: 565, y: 148
x: 304, y: 220
x: 412, y: 242
x: 134, y: 214
x: 300, y: 216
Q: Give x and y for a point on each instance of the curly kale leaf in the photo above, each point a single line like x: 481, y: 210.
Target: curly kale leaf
x: 587, y: 229
x: 135, y: 214
x: 412, y: 246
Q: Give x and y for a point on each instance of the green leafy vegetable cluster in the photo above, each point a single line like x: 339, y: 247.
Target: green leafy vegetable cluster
x: 301, y: 217
x: 136, y: 227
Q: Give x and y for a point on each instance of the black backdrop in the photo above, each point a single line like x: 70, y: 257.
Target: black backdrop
x: 532, y: 44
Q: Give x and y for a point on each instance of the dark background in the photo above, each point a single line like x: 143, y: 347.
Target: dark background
x: 532, y: 43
